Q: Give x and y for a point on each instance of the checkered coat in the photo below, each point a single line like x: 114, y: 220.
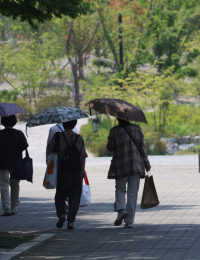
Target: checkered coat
x: 126, y: 157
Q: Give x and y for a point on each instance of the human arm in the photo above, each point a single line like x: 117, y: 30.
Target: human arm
x: 51, y: 134
x: 51, y: 145
x: 83, y: 162
x: 143, y: 152
x: 84, y: 155
x: 23, y: 143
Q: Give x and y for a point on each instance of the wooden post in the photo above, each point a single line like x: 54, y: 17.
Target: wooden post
x: 199, y: 158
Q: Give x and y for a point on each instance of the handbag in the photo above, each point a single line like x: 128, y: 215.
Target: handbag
x: 149, y: 196
x: 50, y: 178
x: 23, y: 169
x: 86, y: 194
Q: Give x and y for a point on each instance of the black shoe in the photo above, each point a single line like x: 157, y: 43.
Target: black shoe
x: 70, y: 227
x: 60, y: 222
x: 7, y: 213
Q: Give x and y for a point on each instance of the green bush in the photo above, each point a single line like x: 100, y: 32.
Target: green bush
x: 160, y: 147
x: 96, y: 142
x: 7, y: 96
x: 180, y: 130
x: 53, y: 101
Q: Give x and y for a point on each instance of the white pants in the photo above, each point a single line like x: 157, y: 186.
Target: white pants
x: 132, y: 193
x: 5, y: 181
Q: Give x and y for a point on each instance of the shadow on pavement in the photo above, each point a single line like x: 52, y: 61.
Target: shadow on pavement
x: 108, y: 242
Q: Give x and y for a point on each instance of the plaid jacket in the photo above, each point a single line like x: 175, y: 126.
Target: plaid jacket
x: 126, y: 158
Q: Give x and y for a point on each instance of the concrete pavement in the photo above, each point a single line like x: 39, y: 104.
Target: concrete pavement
x: 169, y: 231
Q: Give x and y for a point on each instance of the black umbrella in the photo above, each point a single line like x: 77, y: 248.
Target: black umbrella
x: 118, y: 108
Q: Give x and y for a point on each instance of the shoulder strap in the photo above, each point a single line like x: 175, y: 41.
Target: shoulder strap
x: 133, y: 141
x: 59, y: 128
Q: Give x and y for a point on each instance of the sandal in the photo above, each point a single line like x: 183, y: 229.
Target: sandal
x: 60, y: 222
x: 70, y: 226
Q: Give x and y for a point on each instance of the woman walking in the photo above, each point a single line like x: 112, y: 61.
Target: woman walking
x: 127, y: 167
x: 71, y: 167
x: 12, y: 143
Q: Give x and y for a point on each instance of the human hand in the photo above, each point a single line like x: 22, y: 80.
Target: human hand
x: 47, y: 161
x: 148, y: 169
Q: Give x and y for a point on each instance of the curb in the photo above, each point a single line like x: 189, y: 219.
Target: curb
x: 27, y: 247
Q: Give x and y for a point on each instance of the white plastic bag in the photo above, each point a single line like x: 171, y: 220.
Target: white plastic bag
x: 85, y: 195
x: 50, y: 178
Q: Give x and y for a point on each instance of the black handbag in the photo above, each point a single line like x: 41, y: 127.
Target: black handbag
x: 23, y: 168
x: 149, y: 195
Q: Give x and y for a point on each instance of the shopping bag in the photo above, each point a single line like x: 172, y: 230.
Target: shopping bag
x: 23, y: 169
x: 149, y: 196
x: 85, y: 195
x: 50, y: 178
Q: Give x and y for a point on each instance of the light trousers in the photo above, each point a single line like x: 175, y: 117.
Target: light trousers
x: 133, y: 182
x: 5, y: 181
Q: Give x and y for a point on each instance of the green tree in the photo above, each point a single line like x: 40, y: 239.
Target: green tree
x: 76, y: 36
x: 43, y: 10
x: 29, y: 68
x: 171, y: 26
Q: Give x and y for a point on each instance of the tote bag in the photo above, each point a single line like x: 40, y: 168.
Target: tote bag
x: 50, y: 178
x: 85, y: 195
x: 23, y: 168
x: 149, y: 196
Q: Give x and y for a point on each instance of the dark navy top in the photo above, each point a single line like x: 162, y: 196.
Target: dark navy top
x: 12, y: 143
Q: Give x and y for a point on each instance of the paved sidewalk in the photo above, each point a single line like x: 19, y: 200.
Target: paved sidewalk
x: 169, y: 231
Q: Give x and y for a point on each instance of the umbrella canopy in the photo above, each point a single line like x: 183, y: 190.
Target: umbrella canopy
x: 118, y: 108
x: 9, y: 109
x: 55, y: 115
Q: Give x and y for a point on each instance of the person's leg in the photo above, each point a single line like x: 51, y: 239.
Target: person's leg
x: 62, y: 190
x: 120, y: 200
x: 14, y: 185
x: 74, y: 197
x: 132, y: 193
x: 61, y: 195
x: 120, y: 191
x: 4, y: 185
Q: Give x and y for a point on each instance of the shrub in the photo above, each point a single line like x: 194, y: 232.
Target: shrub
x: 180, y: 130
x: 28, y: 108
x: 96, y: 142
x: 8, y: 96
x: 160, y: 146
x: 53, y: 101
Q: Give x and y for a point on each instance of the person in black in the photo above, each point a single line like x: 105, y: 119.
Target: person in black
x: 12, y: 143
x: 71, y: 167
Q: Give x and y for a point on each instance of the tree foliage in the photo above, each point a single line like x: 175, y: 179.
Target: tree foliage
x: 40, y: 11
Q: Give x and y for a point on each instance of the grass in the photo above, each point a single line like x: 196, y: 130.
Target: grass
x: 10, y: 241
x: 186, y: 152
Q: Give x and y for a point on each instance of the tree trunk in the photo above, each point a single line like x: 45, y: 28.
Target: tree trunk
x: 76, y: 86
x: 80, y: 67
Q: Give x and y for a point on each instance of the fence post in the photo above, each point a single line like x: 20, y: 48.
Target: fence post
x: 199, y: 158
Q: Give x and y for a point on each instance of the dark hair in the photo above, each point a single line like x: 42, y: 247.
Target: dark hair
x: 9, y: 121
x: 70, y: 124
x: 122, y: 122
